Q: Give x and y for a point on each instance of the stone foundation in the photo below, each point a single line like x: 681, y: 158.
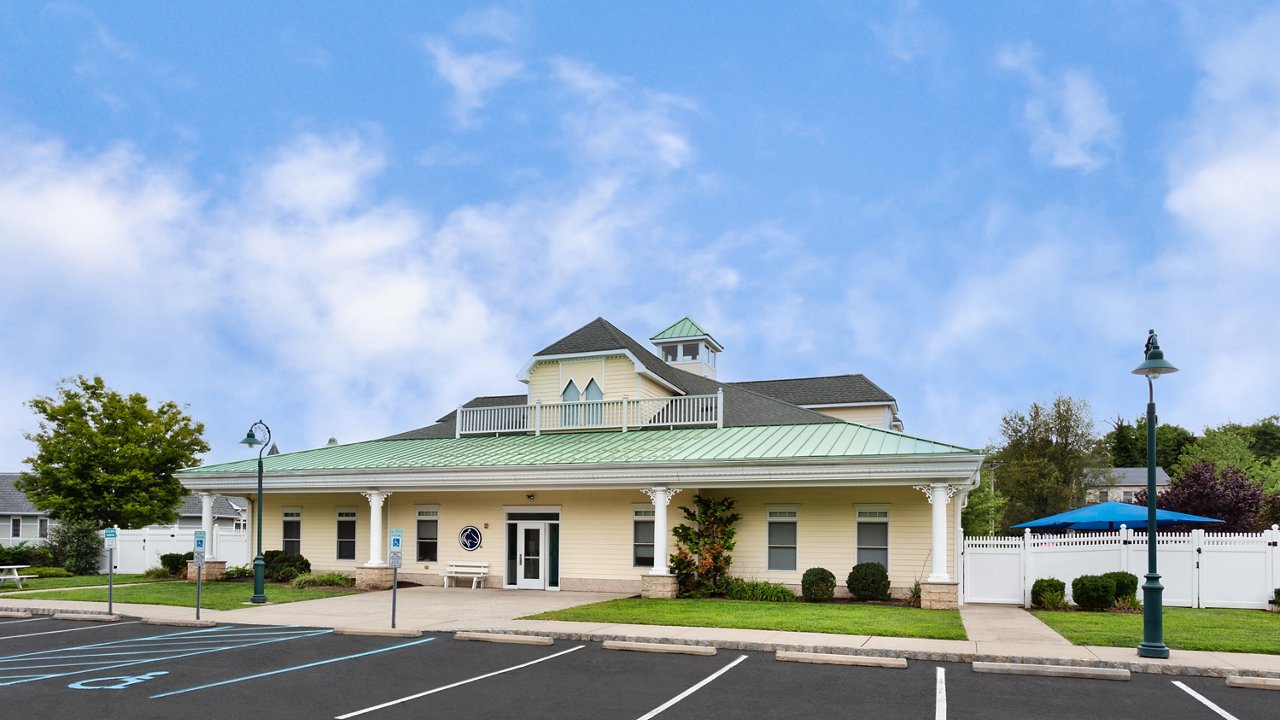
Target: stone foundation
x: 939, y: 595
x: 601, y: 585
x: 658, y: 587
x: 212, y: 570
x: 373, y: 578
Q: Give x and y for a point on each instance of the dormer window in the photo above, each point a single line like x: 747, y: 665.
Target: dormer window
x: 670, y: 353
x: 690, y: 351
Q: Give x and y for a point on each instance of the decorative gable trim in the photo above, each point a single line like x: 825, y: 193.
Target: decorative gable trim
x: 639, y: 367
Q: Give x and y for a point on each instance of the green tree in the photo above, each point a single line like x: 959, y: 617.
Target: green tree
x: 1049, y: 459
x: 105, y: 459
x: 1127, y: 444
x: 984, y: 513
x: 701, y: 561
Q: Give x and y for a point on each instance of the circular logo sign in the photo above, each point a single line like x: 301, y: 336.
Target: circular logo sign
x: 470, y: 538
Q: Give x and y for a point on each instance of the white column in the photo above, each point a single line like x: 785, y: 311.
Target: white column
x: 376, y: 498
x: 206, y: 521
x: 939, y: 494
x: 660, y: 497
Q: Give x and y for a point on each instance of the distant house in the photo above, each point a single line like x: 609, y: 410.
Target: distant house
x: 20, y: 521
x: 1121, y: 484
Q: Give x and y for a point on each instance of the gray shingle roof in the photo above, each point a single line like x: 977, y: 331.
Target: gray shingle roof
x: 1134, y: 476
x: 15, y: 502
x: 828, y: 390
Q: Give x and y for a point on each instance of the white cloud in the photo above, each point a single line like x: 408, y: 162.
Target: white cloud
x: 471, y: 76
x: 492, y: 22
x: 909, y: 33
x: 317, y: 176
x: 1069, y: 119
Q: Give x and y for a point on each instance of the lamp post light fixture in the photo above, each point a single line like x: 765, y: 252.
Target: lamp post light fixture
x: 1154, y: 365
x: 259, y: 565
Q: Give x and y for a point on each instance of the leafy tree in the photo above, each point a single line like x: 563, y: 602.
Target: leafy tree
x: 1224, y: 493
x: 984, y: 513
x: 105, y: 459
x: 1228, y: 446
x: 76, y: 545
x: 1049, y: 459
x: 701, y: 561
x: 1264, y: 438
x: 1127, y: 443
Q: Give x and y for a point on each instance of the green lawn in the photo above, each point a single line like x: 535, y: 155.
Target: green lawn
x: 214, y: 595
x: 79, y: 581
x: 1214, y: 629
x: 841, y: 618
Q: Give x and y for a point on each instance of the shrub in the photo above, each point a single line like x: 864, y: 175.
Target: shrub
x: 1276, y: 598
x: 1126, y: 584
x: 702, y: 558
x: 1052, y: 599
x: 329, y: 579
x: 235, y: 572
x: 20, y: 554
x: 175, y: 563
x: 1127, y: 604
x: 758, y: 590
x: 285, y: 566
x: 915, y: 598
x: 1043, y: 585
x: 47, y: 572
x: 156, y: 573
x: 868, y: 581
x: 1093, y: 592
x: 818, y: 585
x: 77, y: 546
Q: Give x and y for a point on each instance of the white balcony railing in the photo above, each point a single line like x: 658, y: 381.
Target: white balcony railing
x: 625, y: 414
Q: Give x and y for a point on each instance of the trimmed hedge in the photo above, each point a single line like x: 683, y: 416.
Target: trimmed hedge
x: 1093, y: 592
x: 1039, y: 587
x: 47, y: 572
x: 176, y: 563
x: 1126, y: 584
x: 868, y: 581
x: 284, y: 566
x: 329, y: 579
x: 818, y: 585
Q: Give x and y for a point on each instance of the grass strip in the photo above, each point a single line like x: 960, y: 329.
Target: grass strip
x: 213, y: 596
x: 839, y: 618
x: 1211, y: 629
x: 80, y: 581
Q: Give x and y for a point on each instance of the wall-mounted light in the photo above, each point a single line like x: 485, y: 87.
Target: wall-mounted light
x: 529, y: 496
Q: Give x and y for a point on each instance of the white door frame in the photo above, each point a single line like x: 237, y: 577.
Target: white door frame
x: 539, y: 582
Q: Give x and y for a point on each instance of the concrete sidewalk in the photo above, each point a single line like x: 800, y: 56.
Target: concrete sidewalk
x: 997, y: 633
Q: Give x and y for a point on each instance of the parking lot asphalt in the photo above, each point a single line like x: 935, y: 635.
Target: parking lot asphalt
x: 51, y: 668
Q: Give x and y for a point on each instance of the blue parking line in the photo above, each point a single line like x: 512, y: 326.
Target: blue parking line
x: 291, y: 669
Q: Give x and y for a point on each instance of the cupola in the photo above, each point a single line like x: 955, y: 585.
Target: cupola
x: 687, y: 346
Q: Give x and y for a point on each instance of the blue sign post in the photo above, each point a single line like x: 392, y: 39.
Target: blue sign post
x: 394, y: 560
x: 198, y: 558
x: 110, y: 540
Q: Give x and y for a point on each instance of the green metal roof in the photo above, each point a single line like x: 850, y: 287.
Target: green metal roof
x: 771, y: 442
x: 685, y: 327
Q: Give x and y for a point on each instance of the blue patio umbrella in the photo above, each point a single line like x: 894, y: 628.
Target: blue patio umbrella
x: 1110, y: 516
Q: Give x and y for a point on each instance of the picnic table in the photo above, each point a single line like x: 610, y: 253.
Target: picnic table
x: 10, y: 572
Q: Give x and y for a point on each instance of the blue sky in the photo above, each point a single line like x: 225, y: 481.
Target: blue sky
x: 348, y: 218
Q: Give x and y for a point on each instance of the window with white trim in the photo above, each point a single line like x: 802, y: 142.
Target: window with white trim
x: 43, y: 528
x: 291, y: 530
x: 428, y: 532
x: 15, y: 527
x: 873, y: 534
x: 1128, y: 496
x: 346, y: 533
x: 642, y: 529
x: 783, y: 522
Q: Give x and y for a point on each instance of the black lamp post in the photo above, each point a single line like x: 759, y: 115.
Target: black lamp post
x: 259, y: 565
x: 1153, y: 366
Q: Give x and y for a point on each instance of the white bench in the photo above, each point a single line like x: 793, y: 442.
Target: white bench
x: 17, y: 579
x: 477, y: 571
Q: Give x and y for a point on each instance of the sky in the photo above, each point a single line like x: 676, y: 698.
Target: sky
x: 345, y: 219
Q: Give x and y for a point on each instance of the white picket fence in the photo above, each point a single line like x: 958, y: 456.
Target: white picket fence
x: 1197, y: 569
x: 138, y: 550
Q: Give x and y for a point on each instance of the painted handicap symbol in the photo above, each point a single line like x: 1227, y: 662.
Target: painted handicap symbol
x: 120, y: 682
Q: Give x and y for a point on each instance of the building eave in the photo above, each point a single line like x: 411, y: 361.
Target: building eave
x: 523, y: 375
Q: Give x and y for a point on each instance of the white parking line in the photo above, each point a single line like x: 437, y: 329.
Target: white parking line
x: 34, y: 619
x: 654, y: 712
x: 55, y: 632
x: 1206, y: 701
x: 940, y: 711
x: 442, y: 688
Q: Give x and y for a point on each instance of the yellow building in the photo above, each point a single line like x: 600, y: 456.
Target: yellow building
x: 569, y: 486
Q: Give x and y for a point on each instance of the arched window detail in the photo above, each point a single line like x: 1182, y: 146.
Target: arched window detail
x: 571, y: 393
x: 594, y: 413
x: 569, y: 413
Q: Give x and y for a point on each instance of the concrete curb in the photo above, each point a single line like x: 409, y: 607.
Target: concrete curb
x: 376, y: 632
x: 651, y: 647
x: 513, y: 638
x: 833, y: 659
x: 1092, y: 673
x: 1152, y: 668
x: 91, y: 617
x: 15, y: 614
x: 177, y: 622
x: 1256, y: 683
